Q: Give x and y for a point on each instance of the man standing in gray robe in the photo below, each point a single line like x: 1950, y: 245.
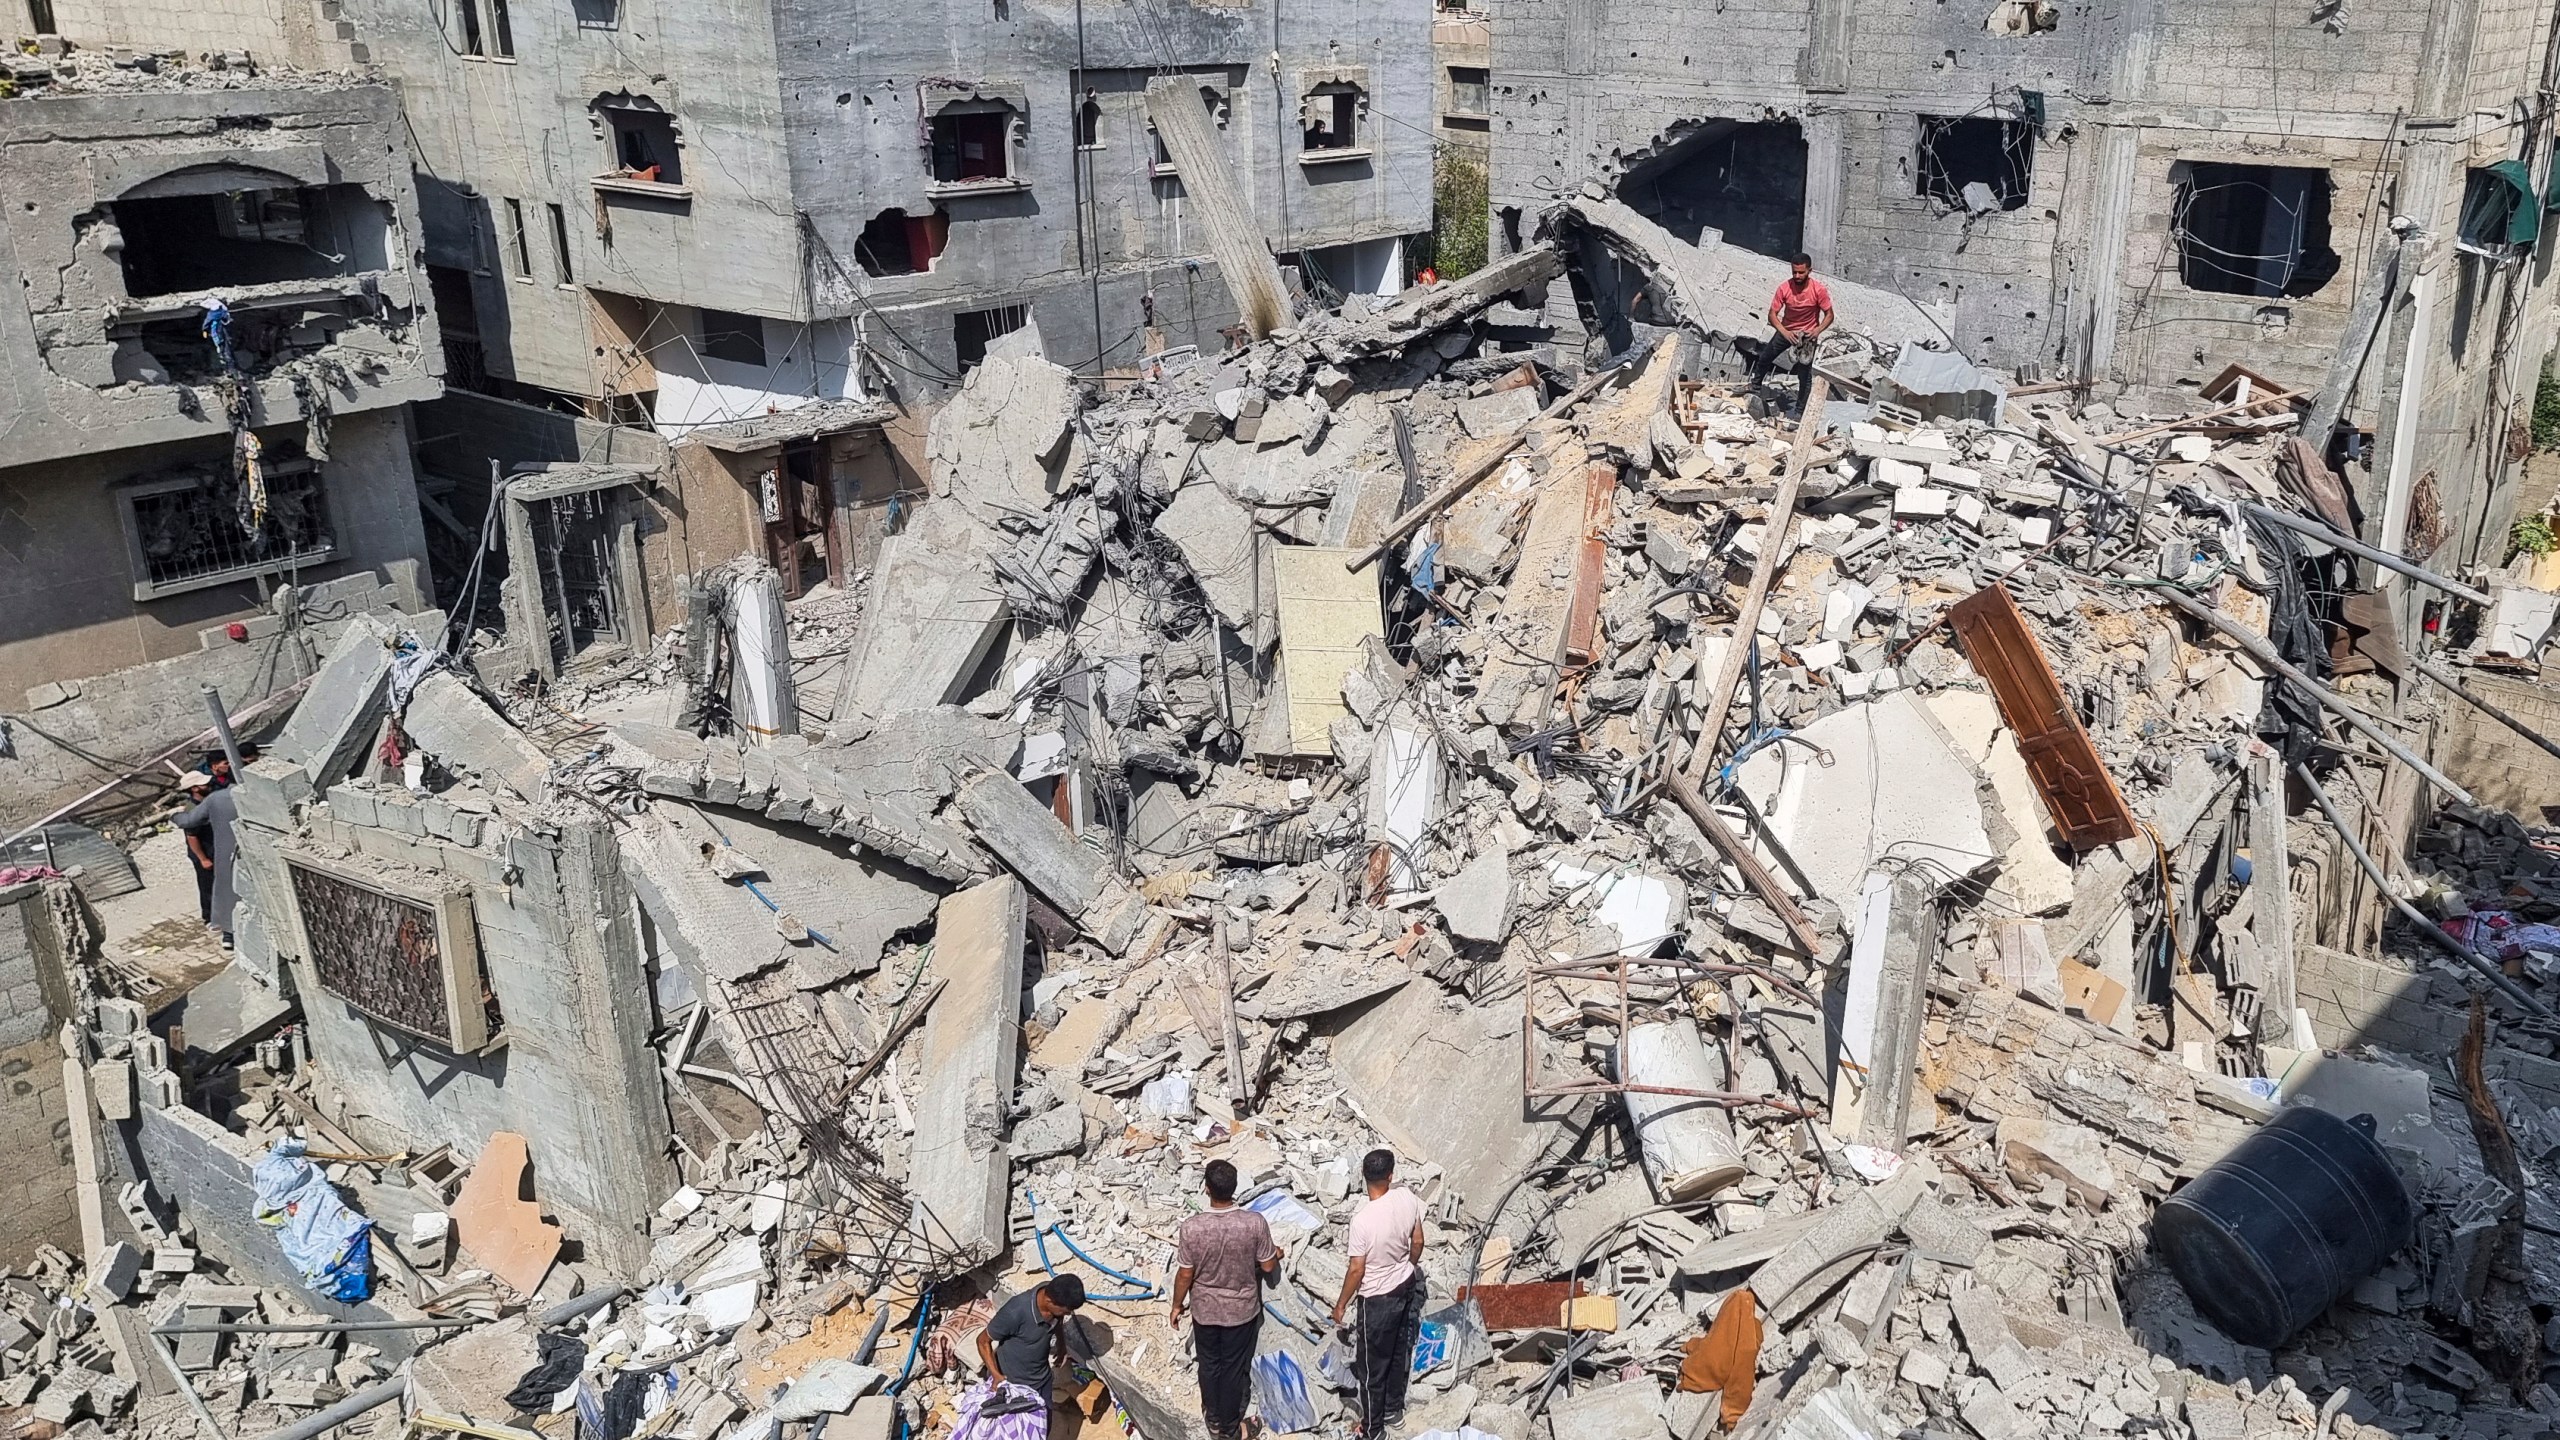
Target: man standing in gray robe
x: 215, y: 812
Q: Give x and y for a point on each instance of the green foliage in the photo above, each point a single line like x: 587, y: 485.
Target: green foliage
x: 2533, y: 534
x: 1461, y: 200
x: 2546, y: 412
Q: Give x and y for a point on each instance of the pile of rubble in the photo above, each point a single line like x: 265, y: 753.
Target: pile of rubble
x: 1832, y: 873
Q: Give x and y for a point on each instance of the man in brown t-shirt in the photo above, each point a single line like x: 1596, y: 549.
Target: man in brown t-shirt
x: 1220, y: 1256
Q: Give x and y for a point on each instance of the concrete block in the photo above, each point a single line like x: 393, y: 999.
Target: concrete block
x: 1628, y: 1410
x: 934, y: 617
x: 961, y: 1175
x: 268, y: 790
x: 113, y: 1271
x: 354, y: 804
x: 1476, y: 902
x: 342, y: 708
x: 1443, y: 1084
x: 111, y: 1082
x: 1034, y: 845
x: 449, y: 722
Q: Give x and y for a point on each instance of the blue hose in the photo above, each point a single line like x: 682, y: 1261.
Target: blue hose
x: 1145, y: 1290
x: 924, y: 1312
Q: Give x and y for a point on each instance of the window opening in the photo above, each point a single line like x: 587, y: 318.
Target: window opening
x: 179, y: 243
x: 2500, y: 216
x: 1745, y: 181
x: 2258, y: 230
x: 1961, y: 153
x: 597, y: 14
x: 738, y: 339
x: 972, y: 145
x: 896, y: 243
x: 1089, y: 123
x: 1470, y: 89
x: 502, y: 33
x: 519, y: 251
x: 202, y: 524
x: 573, y: 540
x: 560, y: 244
x: 973, y: 330
x: 40, y: 16
x: 644, y: 144
x: 469, y: 12
x: 1332, y: 117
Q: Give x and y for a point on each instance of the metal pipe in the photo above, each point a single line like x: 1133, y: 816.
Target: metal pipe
x: 2445, y: 678
x: 2305, y: 525
x: 310, y: 1427
x: 222, y: 731
x: 186, y: 1387
x: 2265, y: 654
x: 2411, y: 913
x: 587, y: 1304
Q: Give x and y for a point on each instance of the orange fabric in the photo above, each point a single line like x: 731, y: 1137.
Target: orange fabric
x: 1727, y: 1357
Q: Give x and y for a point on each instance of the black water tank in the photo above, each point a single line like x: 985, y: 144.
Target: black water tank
x: 2285, y: 1224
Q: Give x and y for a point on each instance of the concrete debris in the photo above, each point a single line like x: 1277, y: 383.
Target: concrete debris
x: 1168, y: 812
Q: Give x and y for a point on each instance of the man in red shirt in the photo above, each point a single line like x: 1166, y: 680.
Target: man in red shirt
x: 1798, y: 313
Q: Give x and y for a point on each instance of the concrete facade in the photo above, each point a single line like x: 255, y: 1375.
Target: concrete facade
x: 120, y: 424
x: 747, y: 283
x: 1825, y: 124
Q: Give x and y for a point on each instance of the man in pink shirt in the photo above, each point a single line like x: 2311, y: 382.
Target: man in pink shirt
x: 1798, y: 313
x: 1386, y: 1276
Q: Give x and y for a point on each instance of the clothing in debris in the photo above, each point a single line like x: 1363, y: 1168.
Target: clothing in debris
x: 216, y: 812
x: 1023, y: 1338
x: 562, y: 1357
x: 1224, y: 1248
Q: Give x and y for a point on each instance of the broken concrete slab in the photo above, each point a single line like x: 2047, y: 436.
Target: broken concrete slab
x: 447, y: 721
x: 2034, y: 879
x: 961, y: 1174
x: 1628, y: 1410
x: 1475, y: 903
x: 1235, y: 236
x: 997, y: 445
x: 500, y: 1229
x: 1224, y: 550
x: 933, y: 616
x: 1033, y: 844
x: 1896, y: 788
x: 343, y: 705
x: 1442, y: 1082
x: 2035, y: 1147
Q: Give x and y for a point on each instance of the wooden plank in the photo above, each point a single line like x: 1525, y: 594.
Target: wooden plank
x: 1449, y: 494
x: 1782, y: 514
x: 2078, y: 792
x: 1590, y: 563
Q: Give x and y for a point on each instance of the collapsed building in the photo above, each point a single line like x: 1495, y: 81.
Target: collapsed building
x: 1848, y: 884
x: 204, y: 386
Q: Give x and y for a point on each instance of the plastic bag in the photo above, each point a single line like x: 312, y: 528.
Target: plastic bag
x: 1280, y: 1393
x: 1336, y: 1365
x: 329, y: 1243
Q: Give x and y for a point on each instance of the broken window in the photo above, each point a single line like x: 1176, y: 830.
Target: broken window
x: 408, y: 960
x: 560, y: 245
x: 972, y: 330
x: 642, y: 140
x: 1470, y: 90
x: 573, y: 542
x: 1330, y: 117
x: 202, y: 525
x: 896, y: 243
x: 212, y: 234
x: 519, y: 250
x: 1745, y: 181
x: 738, y: 339
x: 2252, y: 229
x: 973, y: 141
x: 1976, y: 163
x: 2500, y: 216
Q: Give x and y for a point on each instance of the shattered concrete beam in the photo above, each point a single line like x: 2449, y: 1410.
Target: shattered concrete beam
x: 1235, y: 237
x: 343, y: 705
x: 447, y: 721
x: 961, y: 1174
x: 1034, y: 845
x: 1890, y: 962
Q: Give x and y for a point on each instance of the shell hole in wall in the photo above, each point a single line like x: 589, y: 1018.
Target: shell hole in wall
x: 896, y: 243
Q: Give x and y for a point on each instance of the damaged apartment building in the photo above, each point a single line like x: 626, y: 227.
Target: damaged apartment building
x: 2130, y: 199
x: 216, y: 324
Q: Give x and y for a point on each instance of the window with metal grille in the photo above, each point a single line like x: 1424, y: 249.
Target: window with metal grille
x: 204, y: 525
x: 401, y: 960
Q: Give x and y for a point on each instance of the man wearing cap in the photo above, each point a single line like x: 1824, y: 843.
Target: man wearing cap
x: 213, y: 814
x: 196, y: 785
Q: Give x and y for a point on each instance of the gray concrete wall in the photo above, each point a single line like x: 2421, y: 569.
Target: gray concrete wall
x: 2083, y: 278
x: 36, y: 1187
x: 489, y: 130
x: 67, y: 159
x: 295, y: 32
x: 556, y: 933
x: 71, y: 735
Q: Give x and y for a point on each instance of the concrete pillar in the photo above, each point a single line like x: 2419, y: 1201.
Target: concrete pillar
x: 1826, y: 57
x: 528, y: 625
x: 763, y: 701
x: 2102, y: 279
x: 1824, y: 168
